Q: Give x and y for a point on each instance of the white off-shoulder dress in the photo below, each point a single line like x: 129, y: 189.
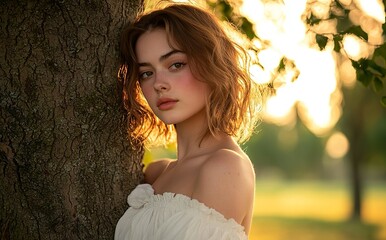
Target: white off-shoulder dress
x: 171, y: 216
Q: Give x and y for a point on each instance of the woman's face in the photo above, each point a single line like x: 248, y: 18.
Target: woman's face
x: 166, y: 80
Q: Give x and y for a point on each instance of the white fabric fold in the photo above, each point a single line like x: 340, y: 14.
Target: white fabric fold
x: 170, y: 216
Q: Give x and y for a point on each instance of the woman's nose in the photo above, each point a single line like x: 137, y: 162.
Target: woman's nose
x: 160, y: 83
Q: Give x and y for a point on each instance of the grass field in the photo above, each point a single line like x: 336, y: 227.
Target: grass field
x: 316, y: 211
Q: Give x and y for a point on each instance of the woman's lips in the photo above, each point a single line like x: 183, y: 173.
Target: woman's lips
x: 166, y: 103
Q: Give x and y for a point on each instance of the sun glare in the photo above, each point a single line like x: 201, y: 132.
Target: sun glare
x: 282, y: 26
x: 337, y: 145
x: 279, y: 107
x: 316, y: 95
x: 373, y: 8
x: 355, y: 47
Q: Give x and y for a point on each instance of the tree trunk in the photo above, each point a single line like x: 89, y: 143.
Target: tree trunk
x: 66, y: 163
x: 356, y: 101
x: 356, y: 157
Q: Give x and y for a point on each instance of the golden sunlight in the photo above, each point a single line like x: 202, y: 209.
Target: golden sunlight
x: 373, y: 8
x: 347, y: 74
x: 311, y: 93
x: 279, y: 108
x: 355, y: 47
x: 316, y: 95
x: 337, y: 145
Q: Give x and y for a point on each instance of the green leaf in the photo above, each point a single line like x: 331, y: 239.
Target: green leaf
x: 247, y: 28
x: 363, y: 63
x: 226, y: 9
x: 321, y: 40
x: 223, y: 9
x: 380, y: 55
x: 383, y: 101
x: 364, y: 78
x: 360, y: 64
x: 381, y: 50
x: 282, y: 64
x: 355, y: 64
x: 337, y: 42
x: 377, y: 84
x: 380, y: 61
x: 358, y: 31
x: 375, y: 69
x: 312, y: 20
x: 339, y: 5
x: 384, y: 26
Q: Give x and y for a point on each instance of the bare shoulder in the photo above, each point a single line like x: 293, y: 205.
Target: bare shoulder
x: 228, y: 165
x: 229, y: 161
x: 155, y: 169
x: 226, y: 182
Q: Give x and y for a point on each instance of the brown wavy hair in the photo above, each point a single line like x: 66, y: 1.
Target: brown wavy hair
x: 214, y: 58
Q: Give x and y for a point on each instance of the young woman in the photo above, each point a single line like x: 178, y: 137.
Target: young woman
x: 183, y: 79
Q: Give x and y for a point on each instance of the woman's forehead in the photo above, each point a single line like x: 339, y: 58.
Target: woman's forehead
x: 155, y: 42
x: 154, y: 45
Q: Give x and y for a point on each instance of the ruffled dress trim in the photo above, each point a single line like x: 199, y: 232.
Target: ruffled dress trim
x: 178, y: 209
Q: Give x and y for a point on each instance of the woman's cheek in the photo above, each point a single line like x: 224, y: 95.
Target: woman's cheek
x: 147, y: 93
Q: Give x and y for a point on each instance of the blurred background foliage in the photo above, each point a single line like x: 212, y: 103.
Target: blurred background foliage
x: 320, y: 151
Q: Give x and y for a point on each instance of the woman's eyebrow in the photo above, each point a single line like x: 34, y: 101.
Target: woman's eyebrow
x: 163, y: 57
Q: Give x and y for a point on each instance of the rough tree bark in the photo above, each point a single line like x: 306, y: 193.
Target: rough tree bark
x: 66, y: 165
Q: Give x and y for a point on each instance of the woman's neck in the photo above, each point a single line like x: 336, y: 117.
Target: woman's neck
x: 194, y: 138
x: 193, y: 142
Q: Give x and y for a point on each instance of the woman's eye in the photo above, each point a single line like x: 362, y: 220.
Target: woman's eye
x: 177, y: 65
x: 144, y: 75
